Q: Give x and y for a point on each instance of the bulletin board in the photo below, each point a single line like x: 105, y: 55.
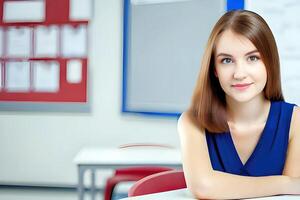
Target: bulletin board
x: 44, y: 52
x: 163, y: 44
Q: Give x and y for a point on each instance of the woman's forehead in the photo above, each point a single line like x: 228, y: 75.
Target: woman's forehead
x: 233, y: 44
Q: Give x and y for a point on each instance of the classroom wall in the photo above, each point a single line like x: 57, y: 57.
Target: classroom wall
x: 37, y: 148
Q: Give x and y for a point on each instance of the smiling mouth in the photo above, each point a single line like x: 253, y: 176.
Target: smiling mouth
x: 241, y: 86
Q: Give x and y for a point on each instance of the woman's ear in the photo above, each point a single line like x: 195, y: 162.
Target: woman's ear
x: 215, y: 72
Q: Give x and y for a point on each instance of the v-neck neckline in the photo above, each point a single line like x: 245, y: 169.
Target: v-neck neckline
x: 259, y: 143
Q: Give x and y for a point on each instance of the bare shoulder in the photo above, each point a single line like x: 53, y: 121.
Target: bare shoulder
x: 295, y: 123
x: 189, y: 132
x: 296, y: 112
x: 293, y: 154
x: 183, y: 121
x: 185, y: 117
x: 187, y: 123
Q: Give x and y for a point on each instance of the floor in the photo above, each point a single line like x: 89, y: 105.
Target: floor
x: 25, y: 193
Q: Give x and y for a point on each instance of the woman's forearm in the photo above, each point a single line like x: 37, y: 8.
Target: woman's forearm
x: 228, y: 186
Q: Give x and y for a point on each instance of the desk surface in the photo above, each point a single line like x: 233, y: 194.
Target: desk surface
x: 184, y: 194
x: 128, y: 156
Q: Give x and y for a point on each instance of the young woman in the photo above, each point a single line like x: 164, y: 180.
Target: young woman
x: 239, y: 138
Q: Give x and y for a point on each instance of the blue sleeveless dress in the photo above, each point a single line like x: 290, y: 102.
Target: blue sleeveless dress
x: 269, y: 155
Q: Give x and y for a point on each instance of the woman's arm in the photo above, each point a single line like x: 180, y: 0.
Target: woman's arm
x: 206, y: 183
x: 292, y: 163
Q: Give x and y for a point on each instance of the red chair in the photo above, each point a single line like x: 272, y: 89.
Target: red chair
x: 132, y: 173
x: 160, y: 182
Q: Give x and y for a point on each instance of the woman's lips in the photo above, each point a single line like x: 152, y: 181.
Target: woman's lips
x: 242, y: 86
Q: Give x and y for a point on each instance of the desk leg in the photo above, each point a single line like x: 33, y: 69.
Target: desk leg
x: 93, y: 184
x: 80, y: 183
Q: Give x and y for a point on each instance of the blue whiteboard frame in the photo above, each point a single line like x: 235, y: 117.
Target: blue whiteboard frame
x: 230, y: 5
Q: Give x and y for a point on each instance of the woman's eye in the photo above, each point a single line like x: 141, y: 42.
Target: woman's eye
x: 253, y: 58
x: 226, y: 60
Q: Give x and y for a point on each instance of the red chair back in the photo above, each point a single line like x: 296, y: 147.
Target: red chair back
x: 159, y: 182
x: 133, y: 173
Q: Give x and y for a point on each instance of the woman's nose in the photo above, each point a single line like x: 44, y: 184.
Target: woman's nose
x: 239, y: 71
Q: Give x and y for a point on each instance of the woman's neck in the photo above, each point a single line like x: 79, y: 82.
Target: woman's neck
x: 253, y: 111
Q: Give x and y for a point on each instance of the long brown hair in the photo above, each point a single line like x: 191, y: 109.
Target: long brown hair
x: 208, y: 106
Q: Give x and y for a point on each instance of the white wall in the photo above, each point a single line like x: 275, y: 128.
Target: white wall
x: 38, y: 148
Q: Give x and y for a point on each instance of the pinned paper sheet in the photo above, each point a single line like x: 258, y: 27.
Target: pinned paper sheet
x: 81, y: 9
x: 17, y: 76
x: 45, y: 76
x: 1, y: 42
x: 74, y: 41
x: 18, y: 42
x: 46, y: 41
x: 24, y: 11
x: 74, y: 71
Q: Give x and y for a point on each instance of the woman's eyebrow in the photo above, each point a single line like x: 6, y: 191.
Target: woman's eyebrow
x: 228, y: 55
x: 251, y: 52
x: 224, y: 54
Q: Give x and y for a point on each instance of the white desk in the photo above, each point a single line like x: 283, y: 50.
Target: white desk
x: 105, y: 158
x: 184, y: 194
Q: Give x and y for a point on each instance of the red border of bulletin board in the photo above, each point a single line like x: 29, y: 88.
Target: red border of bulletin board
x: 56, y: 13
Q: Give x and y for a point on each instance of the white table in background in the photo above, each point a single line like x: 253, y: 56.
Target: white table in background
x: 184, y: 194
x: 111, y: 158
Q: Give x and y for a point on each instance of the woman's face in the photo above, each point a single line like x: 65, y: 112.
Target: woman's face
x: 239, y: 67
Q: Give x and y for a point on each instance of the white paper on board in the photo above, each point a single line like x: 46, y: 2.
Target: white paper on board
x: 81, y: 9
x: 1, y: 41
x: 74, y: 41
x: 17, y: 76
x: 24, y: 11
x: 46, y: 76
x: 19, y: 42
x: 74, y: 71
x: 46, y: 41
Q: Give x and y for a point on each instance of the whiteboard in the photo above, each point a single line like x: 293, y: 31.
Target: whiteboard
x: 163, y: 45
